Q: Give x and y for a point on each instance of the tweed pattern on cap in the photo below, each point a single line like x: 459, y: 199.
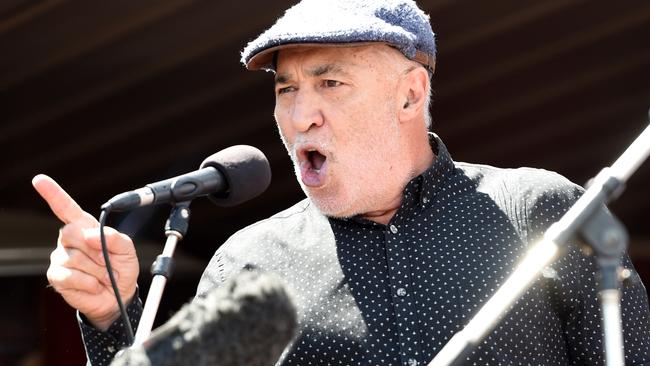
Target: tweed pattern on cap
x: 399, y: 23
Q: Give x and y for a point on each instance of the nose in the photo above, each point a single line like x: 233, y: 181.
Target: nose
x: 306, y: 112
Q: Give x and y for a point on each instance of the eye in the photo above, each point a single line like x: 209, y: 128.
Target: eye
x: 285, y: 90
x: 331, y: 83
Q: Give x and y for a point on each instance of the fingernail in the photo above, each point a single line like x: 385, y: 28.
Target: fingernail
x: 36, y: 179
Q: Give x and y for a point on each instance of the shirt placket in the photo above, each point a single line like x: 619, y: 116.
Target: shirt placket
x: 401, y: 288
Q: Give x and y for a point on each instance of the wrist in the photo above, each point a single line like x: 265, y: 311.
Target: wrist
x: 104, y: 322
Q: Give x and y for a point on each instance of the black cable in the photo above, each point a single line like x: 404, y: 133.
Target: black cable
x: 125, y: 317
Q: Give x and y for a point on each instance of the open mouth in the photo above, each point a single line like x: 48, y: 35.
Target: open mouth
x: 313, y: 166
x: 316, y: 159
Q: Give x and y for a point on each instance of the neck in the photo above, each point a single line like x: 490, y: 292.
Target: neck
x: 384, y: 216
x: 422, y: 158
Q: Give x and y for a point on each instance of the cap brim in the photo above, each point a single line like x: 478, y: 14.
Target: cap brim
x: 263, y: 60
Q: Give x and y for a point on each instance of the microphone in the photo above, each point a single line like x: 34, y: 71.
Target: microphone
x: 246, y: 322
x: 229, y: 177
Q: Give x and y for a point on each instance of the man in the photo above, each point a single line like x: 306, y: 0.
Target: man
x: 396, y: 245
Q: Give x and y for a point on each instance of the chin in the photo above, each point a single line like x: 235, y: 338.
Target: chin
x: 332, y: 206
x: 330, y: 199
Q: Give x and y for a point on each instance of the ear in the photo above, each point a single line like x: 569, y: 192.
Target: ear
x: 413, y: 93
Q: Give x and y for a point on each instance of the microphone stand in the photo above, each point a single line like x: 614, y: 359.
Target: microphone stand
x: 606, y: 236
x: 162, y: 268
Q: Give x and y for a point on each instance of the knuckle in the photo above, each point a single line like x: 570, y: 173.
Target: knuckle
x: 72, y: 259
x: 56, y: 275
x: 57, y: 256
x: 50, y: 275
x: 69, y: 234
x: 91, y: 236
x: 111, y: 233
x: 54, y: 256
x: 125, y: 238
x: 115, y: 236
x: 68, y: 230
x: 91, y: 284
x: 90, y: 219
x: 98, y: 286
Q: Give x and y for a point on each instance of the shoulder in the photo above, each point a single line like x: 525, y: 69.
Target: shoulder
x: 298, y: 218
x: 534, y: 197
x: 268, y: 244
x: 531, y: 185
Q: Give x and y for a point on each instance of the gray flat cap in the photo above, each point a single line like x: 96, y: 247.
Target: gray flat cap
x: 399, y: 23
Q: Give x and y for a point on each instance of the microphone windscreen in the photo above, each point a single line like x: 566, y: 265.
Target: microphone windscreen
x: 248, y: 321
x: 246, y: 170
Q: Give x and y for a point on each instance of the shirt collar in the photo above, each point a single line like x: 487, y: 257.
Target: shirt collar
x: 422, y: 190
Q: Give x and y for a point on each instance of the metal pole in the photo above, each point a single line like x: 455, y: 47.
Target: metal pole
x: 155, y: 295
x: 611, y: 307
x: 175, y: 228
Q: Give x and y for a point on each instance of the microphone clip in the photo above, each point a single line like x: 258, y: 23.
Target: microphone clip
x: 178, y: 220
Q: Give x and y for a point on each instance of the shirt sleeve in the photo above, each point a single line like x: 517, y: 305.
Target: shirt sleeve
x: 101, y: 346
x: 575, y: 290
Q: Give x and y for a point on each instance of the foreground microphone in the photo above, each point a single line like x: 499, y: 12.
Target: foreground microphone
x: 246, y: 322
x: 229, y: 177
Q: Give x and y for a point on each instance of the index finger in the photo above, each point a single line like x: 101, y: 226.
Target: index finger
x: 60, y: 202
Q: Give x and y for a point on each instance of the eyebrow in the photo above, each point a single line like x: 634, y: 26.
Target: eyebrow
x: 331, y: 68
x: 326, y: 69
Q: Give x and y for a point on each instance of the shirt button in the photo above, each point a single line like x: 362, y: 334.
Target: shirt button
x: 425, y: 200
x: 393, y: 229
x: 401, y: 291
x: 413, y: 362
x: 110, y: 349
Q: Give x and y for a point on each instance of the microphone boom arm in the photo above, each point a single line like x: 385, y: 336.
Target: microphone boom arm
x: 583, y: 217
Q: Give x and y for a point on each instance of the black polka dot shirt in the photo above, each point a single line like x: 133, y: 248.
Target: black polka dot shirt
x: 369, y: 294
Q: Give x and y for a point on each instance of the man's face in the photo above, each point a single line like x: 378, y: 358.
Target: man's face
x: 337, y: 111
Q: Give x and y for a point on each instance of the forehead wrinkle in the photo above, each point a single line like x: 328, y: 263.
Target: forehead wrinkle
x: 329, y: 68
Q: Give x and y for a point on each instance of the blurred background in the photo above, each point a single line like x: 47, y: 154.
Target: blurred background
x: 106, y: 96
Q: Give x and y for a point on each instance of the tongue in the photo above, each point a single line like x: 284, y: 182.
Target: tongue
x: 317, y: 160
x: 314, y: 171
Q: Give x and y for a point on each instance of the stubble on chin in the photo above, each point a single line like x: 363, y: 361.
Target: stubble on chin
x: 329, y: 200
